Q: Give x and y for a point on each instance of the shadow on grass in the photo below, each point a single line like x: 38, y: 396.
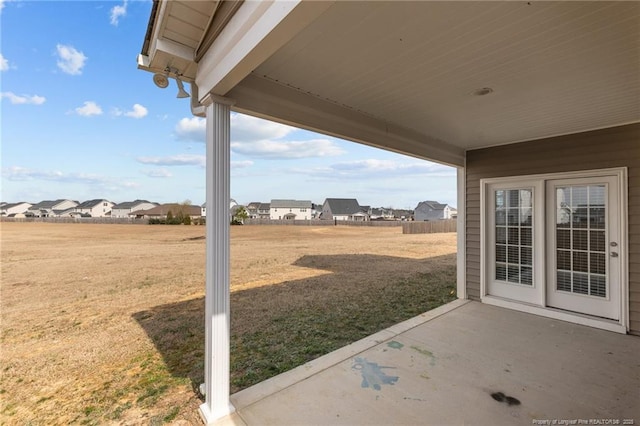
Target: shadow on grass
x: 278, y: 327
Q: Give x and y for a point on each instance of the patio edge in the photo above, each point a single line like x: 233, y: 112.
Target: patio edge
x: 257, y: 392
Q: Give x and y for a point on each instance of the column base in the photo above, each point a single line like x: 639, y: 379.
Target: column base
x: 211, y: 417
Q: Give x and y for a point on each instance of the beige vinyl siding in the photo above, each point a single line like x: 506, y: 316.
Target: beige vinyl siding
x: 600, y: 149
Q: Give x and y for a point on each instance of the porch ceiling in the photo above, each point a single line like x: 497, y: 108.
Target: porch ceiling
x: 554, y: 67
x: 403, y: 76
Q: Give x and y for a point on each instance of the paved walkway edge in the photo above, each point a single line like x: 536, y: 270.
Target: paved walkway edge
x: 257, y: 392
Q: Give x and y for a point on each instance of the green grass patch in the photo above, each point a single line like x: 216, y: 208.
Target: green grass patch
x: 296, y: 336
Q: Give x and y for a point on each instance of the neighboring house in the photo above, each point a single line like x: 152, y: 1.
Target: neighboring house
x: 546, y: 113
x: 51, y: 208
x: 264, y: 211
x: 12, y: 209
x: 95, y: 208
x: 252, y: 209
x: 433, y: 210
x: 70, y: 212
x: 403, y: 214
x: 203, y: 207
x: 163, y: 210
x: 124, y: 209
x: 343, y: 209
x: 381, y: 214
x: 316, y: 211
x: 290, y: 209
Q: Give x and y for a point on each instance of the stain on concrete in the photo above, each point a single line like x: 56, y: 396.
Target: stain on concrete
x: 414, y: 399
x: 501, y: 397
x: 372, y: 374
x: 395, y: 345
x: 428, y: 354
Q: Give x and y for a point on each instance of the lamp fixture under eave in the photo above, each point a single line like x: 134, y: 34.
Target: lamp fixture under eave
x: 161, y: 80
x: 181, y: 92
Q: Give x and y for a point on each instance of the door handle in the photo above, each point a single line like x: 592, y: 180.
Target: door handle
x: 614, y: 254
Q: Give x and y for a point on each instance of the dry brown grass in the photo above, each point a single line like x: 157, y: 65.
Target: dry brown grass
x: 103, y: 323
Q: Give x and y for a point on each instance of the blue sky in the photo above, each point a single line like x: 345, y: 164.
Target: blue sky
x: 80, y: 121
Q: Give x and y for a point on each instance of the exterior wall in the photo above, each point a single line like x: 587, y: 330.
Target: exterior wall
x: 99, y: 210
x: 424, y: 212
x: 125, y: 212
x: 277, y: 213
x: 66, y: 204
x: 613, y: 147
x: 17, y: 209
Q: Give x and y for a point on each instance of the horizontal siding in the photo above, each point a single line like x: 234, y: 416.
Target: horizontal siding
x: 614, y: 147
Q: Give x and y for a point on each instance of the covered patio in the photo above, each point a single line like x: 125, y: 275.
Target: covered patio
x: 537, y: 106
x: 462, y: 363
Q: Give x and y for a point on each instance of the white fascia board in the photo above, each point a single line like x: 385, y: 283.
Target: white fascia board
x: 266, y: 99
x: 256, y: 31
x: 174, y: 49
x: 164, y: 48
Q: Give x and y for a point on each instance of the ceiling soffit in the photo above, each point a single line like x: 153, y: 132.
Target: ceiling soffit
x: 553, y: 67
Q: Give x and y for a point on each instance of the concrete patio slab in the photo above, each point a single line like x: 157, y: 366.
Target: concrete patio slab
x: 464, y: 363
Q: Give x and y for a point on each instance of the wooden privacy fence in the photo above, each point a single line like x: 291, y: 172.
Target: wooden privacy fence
x: 116, y: 220
x: 430, y: 227
x: 321, y: 222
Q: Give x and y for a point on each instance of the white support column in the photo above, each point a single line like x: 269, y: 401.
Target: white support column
x: 461, y: 259
x: 217, y: 318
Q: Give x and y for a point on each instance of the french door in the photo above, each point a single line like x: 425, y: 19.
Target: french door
x: 556, y: 242
x: 583, y: 246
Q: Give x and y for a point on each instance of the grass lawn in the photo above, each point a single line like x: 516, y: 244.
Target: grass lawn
x: 104, y: 323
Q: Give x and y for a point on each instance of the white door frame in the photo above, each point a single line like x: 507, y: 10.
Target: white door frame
x: 539, y: 307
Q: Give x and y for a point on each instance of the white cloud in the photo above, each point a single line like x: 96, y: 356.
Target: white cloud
x: 71, y: 61
x: 138, y: 111
x: 374, y: 168
x: 175, y: 160
x: 118, y: 12
x: 288, y: 149
x: 241, y: 164
x: 4, y: 63
x: 193, y: 129
x: 24, y: 99
x: 89, y: 109
x: 392, y: 166
x: 16, y: 173
x: 245, y: 128
x: 158, y: 173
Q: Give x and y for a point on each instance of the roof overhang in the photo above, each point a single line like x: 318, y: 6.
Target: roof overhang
x: 429, y: 79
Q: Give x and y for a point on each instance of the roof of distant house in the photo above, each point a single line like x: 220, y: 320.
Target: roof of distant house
x: 8, y: 206
x: 343, y: 206
x: 432, y: 204
x: 91, y: 203
x: 264, y: 206
x: 292, y: 204
x: 129, y: 204
x: 47, y: 204
x: 174, y: 208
